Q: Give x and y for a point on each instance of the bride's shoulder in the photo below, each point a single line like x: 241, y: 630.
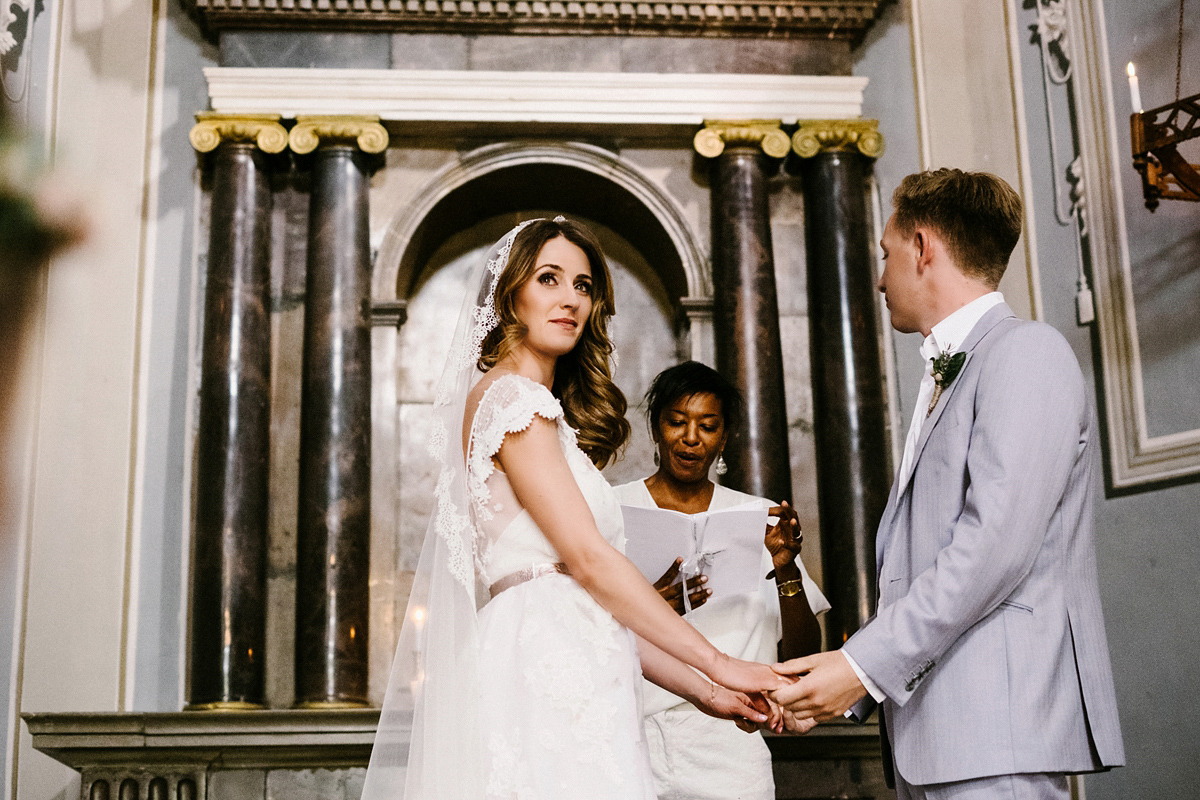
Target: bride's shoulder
x: 502, y: 405
x: 504, y: 389
x: 497, y: 397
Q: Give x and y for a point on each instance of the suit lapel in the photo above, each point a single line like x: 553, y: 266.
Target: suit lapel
x: 927, y: 426
x: 988, y: 321
x: 931, y: 420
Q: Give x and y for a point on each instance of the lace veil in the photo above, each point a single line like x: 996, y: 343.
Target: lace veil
x: 427, y: 746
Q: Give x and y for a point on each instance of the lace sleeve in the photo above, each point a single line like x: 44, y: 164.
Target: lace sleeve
x: 508, y: 406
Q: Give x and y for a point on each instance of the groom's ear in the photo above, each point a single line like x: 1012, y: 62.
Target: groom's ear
x: 925, y: 244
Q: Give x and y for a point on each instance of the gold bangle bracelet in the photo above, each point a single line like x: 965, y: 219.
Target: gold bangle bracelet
x: 791, y: 588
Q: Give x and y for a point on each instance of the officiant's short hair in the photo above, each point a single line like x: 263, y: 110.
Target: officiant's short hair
x: 977, y: 215
x: 687, y: 379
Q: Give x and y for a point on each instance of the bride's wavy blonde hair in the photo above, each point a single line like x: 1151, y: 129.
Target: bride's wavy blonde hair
x: 583, y: 383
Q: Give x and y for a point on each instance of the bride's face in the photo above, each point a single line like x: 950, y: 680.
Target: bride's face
x: 555, y: 302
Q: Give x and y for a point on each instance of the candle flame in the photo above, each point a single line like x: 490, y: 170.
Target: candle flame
x: 1130, y: 71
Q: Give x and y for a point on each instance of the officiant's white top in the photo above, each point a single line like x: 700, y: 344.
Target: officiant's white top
x: 745, y: 626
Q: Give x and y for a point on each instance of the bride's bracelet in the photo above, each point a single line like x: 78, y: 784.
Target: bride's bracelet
x: 791, y: 588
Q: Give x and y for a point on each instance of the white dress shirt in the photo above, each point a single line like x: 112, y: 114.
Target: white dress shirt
x: 945, y: 337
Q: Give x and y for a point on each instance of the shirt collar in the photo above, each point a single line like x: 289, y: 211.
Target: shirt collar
x: 949, y: 334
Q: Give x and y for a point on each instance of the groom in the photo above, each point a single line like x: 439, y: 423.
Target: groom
x: 987, y: 653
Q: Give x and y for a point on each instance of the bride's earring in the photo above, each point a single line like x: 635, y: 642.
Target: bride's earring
x: 722, y: 467
x: 656, y: 457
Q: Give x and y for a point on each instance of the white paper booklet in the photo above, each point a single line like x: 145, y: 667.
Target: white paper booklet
x: 725, y: 545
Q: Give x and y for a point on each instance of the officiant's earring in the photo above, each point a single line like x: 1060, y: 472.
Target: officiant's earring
x: 722, y: 467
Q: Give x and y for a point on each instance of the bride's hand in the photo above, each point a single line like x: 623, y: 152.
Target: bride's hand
x: 766, y: 706
x: 746, y: 676
x: 748, y: 712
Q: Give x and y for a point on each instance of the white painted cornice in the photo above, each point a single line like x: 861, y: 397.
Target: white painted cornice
x: 550, y: 97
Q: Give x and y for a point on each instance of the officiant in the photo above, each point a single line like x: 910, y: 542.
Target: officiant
x: 691, y: 410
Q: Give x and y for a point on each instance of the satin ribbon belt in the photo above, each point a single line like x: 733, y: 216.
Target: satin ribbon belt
x: 529, y: 573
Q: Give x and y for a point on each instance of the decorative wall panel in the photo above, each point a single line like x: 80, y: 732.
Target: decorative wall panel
x: 839, y: 19
x: 1134, y: 292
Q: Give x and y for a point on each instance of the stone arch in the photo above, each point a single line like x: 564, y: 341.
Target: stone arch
x: 577, y: 179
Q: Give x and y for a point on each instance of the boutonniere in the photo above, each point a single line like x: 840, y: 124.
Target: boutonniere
x: 945, y: 369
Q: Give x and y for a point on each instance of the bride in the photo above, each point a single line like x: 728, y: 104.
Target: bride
x: 527, y: 633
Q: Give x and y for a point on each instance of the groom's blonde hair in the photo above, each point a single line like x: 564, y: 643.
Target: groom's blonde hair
x: 977, y: 215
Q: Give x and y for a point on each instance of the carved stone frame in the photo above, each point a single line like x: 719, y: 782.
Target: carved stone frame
x: 1135, y: 460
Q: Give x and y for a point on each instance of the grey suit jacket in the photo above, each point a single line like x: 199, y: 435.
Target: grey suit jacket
x: 989, y: 641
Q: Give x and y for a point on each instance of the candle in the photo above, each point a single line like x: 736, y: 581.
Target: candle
x: 1135, y: 96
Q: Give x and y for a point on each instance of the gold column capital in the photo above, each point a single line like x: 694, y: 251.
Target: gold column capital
x: 212, y: 128
x: 311, y: 129
x: 824, y: 135
x: 711, y: 140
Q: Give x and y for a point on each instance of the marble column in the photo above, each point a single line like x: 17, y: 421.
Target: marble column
x: 849, y: 396
x: 745, y: 311
x: 228, y: 608
x: 333, y: 534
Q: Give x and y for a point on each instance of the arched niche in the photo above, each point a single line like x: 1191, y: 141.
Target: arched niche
x: 574, y: 179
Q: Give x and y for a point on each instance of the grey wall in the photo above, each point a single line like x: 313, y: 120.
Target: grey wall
x: 525, y: 53
x: 165, y: 502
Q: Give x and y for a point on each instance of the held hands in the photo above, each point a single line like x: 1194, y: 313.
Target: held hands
x: 826, y: 689
x: 672, y: 591
x: 784, y: 539
x: 748, y: 711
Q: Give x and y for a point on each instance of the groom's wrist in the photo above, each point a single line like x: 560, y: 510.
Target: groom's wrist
x: 869, y: 685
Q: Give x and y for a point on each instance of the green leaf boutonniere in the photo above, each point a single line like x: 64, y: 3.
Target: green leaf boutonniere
x: 945, y: 369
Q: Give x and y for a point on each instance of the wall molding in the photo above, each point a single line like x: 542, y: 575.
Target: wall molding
x: 822, y: 19
x: 1135, y: 460
x: 962, y: 52
x: 587, y: 98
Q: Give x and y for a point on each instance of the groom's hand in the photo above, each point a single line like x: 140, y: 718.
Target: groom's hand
x: 826, y: 689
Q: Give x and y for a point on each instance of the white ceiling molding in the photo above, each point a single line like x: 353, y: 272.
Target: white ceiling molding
x: 551, y: 97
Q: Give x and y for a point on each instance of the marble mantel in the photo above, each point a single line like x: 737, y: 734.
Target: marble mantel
x: 297, y: 754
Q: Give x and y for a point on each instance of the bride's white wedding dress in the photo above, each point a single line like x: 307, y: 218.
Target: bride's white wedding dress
x: 560, y: 683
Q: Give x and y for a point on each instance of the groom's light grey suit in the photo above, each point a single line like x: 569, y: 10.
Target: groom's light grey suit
x: 988, y: 640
